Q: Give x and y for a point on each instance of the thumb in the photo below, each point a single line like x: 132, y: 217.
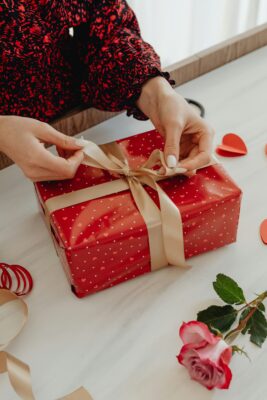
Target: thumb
x: 172, y: 147
x: 50, y: 135
x: 75, y: 159
x: 66, y: 168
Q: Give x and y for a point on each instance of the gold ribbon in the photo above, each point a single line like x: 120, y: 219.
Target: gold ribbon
x: 164, y: 225
x: 19, y: 372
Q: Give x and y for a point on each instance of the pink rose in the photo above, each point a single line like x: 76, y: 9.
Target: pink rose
x: 205, y: 355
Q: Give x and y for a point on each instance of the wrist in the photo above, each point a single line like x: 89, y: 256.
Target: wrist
x: 4, y: 119
x: 153, y: 91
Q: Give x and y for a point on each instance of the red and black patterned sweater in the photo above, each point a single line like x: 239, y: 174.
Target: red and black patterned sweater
x: 44, y: 71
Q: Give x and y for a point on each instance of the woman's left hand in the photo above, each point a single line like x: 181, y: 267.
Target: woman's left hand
x: 188, y: 137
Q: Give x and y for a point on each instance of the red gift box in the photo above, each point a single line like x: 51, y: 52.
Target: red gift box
x: 104, y: 241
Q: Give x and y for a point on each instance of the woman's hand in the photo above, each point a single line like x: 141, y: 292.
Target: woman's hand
x: 188, y: 137
x: 22, y: 139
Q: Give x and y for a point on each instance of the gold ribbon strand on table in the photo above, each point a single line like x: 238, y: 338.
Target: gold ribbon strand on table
x: 11, y: 324
x: 164, y: 225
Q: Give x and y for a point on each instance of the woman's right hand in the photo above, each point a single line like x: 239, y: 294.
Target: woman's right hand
x: 22, y: 139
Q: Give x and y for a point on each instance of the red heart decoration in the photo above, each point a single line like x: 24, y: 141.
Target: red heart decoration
x: 232, y: 146
x: 263, y: 231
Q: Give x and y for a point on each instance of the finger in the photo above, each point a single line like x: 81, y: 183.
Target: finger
x: 60, y: 167
x: 44, y: 174
x: 66, y: 168
x: 50, y: 135
x: 75, y: 160
x: 190, y: 173
x: 64, y: 153
x: 39, y: 174
x: 61, y: 152
x: 186, y: 146
x: 202, y: 158
x: 172, y: 143
x: 193, y: 152
x: 198, y: 161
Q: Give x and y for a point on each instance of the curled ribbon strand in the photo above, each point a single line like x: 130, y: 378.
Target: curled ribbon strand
x: 15, y: 278
x: 19, y: 372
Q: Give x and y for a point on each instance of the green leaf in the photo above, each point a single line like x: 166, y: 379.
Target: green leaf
x: 258, y: 328
x: 228, y: 290
x: 261, y: 307
x: 220, y: 318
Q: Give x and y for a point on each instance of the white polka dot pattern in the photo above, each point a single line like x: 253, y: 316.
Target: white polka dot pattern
x: 104, y: 242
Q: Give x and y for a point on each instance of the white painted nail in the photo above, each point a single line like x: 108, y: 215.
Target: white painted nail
x: 80, y: 142
x: 171, y: 161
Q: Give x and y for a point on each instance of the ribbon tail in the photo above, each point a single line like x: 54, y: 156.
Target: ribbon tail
x: 20, y: 379
x: 172, y: 226
x: 152, y: 218
x: 79, y: 394
x: 19, y: 375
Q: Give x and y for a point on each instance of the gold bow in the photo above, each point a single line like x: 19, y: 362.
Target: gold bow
x: 164, y: 225
x: 11, y: 324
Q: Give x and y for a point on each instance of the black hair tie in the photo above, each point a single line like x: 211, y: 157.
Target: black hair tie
x: 198, y: 105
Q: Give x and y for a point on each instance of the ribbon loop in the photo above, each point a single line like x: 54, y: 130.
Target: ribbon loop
x: 164, y: 225
x: 166, y: 241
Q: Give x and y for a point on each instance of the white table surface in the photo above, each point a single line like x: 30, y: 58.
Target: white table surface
x: 121, y: 343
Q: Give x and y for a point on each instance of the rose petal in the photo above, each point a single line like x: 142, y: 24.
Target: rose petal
x: 205, y: 356
x: 213, y: 352
x: 205, y: 371
x: 227, y: 377
x: 195, y: 332
x: 188, y: 350
x: 226, y: 355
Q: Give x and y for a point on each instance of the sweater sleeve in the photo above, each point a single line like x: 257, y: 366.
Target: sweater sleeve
x: 116, y: 60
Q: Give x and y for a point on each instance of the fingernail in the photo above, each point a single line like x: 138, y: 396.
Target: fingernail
x: 171, y: 161
x: 80, y: 142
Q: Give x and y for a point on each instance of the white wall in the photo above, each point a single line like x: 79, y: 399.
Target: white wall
x: 180, y: 28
